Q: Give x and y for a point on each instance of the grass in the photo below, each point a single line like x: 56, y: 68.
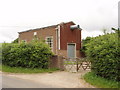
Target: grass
x: 69, y: 62
x: 100, y: 82
x: 26, y: 70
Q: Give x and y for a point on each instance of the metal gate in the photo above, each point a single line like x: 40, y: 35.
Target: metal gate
x: 75, y: 64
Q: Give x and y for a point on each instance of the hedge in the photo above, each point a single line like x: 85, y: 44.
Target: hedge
x: 104, y: 53
x: 0, y: 53
x: 28, y: 55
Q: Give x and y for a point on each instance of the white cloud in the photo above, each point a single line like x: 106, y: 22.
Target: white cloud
x: 92, y: 15
x: 91, y: 34
x: 9, y: 33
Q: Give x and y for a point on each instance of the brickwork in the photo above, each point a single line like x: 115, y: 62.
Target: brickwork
x: 41, y: 35
x: 64, y: 53
x: 56, y: 62
x: 70, y: 36
x: 66, y: 36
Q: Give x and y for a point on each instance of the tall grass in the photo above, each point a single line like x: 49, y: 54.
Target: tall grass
x: 100, y: 82
x: 26, y: 70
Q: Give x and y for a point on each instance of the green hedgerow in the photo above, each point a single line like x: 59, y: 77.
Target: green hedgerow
x: 29, y: 55
x: 104, y: 53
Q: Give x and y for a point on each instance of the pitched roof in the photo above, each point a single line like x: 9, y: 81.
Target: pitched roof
x: 45, y: 27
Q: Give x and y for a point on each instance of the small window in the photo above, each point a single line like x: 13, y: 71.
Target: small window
x: 49, y: 41
x: 35, y: 33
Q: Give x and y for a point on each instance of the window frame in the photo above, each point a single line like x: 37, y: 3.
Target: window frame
x: 46, y: 38
x: 35, y: 33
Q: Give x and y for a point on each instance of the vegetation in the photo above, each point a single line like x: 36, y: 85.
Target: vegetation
x: 27, y: 55
x: 0, y: 53
x: 103, y: 52
x: 15, y: 41
x: 26, y: 70
x: 100, y: 82
x: 84, y: 44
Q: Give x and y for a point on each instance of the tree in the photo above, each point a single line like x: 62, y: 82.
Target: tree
x: 15, y: 41
x: 117, y: 31
x: 84, y: 43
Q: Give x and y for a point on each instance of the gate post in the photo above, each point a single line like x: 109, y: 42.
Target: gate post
x: 77, y: 64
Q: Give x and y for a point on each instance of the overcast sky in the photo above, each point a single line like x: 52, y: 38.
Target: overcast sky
x: 92, y: 15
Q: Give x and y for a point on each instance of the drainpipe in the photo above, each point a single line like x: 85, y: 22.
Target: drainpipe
x: 57, y: 39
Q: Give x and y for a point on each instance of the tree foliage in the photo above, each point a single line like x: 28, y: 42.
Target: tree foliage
x: 15, y: 41
x: 0, y: 53
x: 84, y: 43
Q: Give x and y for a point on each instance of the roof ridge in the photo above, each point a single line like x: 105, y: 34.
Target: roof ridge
x: 46, y: 27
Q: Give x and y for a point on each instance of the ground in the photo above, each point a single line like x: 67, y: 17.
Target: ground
x: 59, y: 79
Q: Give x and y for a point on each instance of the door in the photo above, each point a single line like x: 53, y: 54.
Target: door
x: 71, y: 51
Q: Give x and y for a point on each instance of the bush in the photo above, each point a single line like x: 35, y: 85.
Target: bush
x: 0, y: 53
x: 15, y: 41
x: 28, y: 55
x: 84, y: 45
x: 84, y: 42
x: 103, y: 52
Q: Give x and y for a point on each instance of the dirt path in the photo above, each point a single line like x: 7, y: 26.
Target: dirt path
x: 61, y: 79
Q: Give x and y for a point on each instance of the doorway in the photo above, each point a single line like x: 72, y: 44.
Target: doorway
x: 71, y: 50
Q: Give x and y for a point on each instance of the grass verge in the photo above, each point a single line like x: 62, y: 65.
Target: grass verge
x: 26, y: 70
x: 100, y: 82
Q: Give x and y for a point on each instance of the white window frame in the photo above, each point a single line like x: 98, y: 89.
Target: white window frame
x: 35, y: 33
x: 49, y: 42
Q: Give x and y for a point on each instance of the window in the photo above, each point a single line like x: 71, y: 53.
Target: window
x: 35, y: 36
x: 49, y: 41
x: 35, y: 33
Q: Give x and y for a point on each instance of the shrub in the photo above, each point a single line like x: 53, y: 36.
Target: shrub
x: 84, y: 42
x: 15, y: 41
x: 0, y: 53
x: 28, y: 55
x: 103, y: 52
x: 84, y: 45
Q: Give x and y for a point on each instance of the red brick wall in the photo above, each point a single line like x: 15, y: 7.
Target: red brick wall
x: 64, y: 53
x: 69, y: 36
x: 66, y: 36
x: 41, y: 34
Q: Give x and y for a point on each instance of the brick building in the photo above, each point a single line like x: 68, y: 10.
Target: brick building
x: 64, y: 39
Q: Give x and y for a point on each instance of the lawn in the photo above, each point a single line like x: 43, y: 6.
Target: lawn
x: 25, y: 70
x: 100, y: 82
